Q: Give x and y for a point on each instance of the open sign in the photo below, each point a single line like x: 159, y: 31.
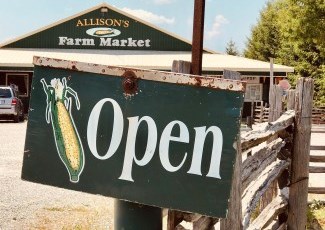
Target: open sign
x: 157, y: 138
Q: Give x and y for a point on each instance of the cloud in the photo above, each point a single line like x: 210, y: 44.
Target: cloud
x: 215, y: 30
x: 162, y: 2
x: 149, y: 16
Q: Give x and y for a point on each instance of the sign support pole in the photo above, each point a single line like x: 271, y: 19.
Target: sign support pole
x: 133, y: 216
x: 197, y: 41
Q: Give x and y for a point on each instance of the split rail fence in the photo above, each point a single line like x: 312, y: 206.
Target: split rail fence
x: 270, y: 182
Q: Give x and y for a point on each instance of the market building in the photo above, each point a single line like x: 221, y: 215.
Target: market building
x: 108, y: 36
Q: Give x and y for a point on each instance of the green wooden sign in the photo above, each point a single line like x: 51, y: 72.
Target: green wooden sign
x: 103, y: 27
x: 157, y: 138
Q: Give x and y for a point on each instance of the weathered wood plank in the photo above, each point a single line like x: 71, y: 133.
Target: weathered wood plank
x: 315, y: 169
x: 181, y: 66
x: 234, y: 217
x: 291, y: 99
x: 190, y: 217
x: 275, y: 100
x: 204, y: 223
x: 255, y: 190
x: 265, y: 130
x: 229, y: 74
x: 282, y: 227
x: 254, y: 164
x: 272, y: 102
x: 316, y: 190
x: 297, y: 215
x: 317, y: 158
x: 233, y: 220
x: 317, y: 147
x: 174, y: 218
x: 277, y: 206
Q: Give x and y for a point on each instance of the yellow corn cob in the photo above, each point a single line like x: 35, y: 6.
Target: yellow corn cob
x: 69, y: 136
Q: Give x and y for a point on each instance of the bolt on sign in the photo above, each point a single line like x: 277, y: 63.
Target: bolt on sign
x: 156, y: 138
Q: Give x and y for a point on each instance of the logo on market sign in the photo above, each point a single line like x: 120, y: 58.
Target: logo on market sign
x: 103, y: 32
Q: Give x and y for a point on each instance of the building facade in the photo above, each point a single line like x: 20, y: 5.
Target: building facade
x: 106, y: 35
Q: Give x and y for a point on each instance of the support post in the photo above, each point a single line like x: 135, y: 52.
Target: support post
x: 176, y: 217
x: 132, y: 216
x: 297, y: 216
x: 275, y: 101
x: 197, y: 42
x: 271, y: 73
x: 291, y: 99
x: 234, y: 218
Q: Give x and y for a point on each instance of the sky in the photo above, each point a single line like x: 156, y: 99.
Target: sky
x: 225, y: 20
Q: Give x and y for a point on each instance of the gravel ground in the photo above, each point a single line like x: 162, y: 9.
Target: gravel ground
x: 26, y: 205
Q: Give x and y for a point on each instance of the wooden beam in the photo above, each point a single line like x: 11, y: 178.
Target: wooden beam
x: 255, y: 164
x: 234, y: 217
x: 176, y: 217
x: 205, y: 223
x: 255, y: 190
x: 276, y: 207
x: 297, y: 213
x: 315, y: 169
x: 316, y: 190
x: 317, y: 147
x: 266, y: 130
x: 317, y: 158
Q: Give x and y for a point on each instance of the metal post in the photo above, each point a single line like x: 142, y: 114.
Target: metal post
x: 133, y: 216
x: 197, y: 42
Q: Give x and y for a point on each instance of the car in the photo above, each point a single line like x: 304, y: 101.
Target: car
x: 10, y: 104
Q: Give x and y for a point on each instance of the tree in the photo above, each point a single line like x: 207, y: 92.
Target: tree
x: 303, y: 41
x: 292, y: 32
x: 265, y: 36
x: 231, y: 48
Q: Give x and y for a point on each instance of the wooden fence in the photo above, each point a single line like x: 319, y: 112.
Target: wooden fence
x: 318, y: 115
x: 270, y: 185
x: 316, y: 157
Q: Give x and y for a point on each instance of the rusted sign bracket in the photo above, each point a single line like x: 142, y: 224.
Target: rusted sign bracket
x: 197, y: 42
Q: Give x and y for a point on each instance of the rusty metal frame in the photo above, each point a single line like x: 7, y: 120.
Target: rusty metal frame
x: 151, y: 75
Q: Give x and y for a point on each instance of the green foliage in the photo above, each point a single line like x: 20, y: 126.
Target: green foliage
x: 231, y: 48
x: 292, y: 31
x: 316, y: 215
x: 265, y: 38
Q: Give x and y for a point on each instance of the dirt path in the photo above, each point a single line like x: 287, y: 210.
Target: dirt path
x: 26, y: 205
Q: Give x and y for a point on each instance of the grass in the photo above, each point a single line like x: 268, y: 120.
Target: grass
x: 316, y: 215
x: 67, y: 217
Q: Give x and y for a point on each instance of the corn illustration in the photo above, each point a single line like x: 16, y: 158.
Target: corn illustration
x: 58, y: 112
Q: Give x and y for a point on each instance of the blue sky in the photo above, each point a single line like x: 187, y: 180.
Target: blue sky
x: 224, y: 19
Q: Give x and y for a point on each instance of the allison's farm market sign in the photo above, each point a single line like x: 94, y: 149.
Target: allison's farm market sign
x: 157, y: 138
x: 103, y: 27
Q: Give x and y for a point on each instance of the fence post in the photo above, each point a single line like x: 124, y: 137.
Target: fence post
x: 297, y: 215
x: 174, y: 217
x: 291, y: 99
x: 275, y: 100
x: 234, y: 218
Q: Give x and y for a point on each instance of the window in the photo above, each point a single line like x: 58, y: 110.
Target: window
x: 20, y: 80
x: 5, y: 93
x: 253, y: 92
